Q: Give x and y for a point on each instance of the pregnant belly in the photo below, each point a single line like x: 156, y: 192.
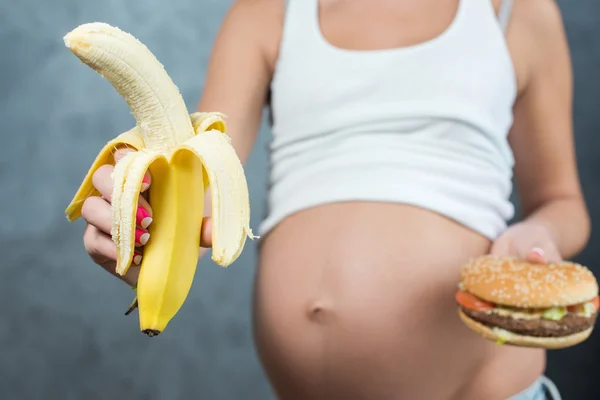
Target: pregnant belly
x: 356, y: 300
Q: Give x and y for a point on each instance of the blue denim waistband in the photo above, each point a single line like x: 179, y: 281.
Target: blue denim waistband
x: 538, y: 390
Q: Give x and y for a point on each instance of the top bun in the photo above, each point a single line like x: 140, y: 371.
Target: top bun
x: 517, y: 283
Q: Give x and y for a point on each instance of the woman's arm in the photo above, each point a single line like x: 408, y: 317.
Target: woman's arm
x: 542, y: 135
x: 239, y: 74
x: 241, y: 67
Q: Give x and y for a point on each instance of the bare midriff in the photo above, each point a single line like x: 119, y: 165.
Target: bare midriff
x: 356, y: 301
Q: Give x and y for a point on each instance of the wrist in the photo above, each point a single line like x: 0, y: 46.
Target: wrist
x: 565, y: 223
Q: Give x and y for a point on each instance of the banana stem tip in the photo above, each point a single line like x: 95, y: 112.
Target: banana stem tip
x: 132, y: 306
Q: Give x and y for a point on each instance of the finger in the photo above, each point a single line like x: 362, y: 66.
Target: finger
x: 96, y: 211
x: 103, y: 251
x: 99, y: 245
x: 131, y: 277
x: 536, y: 255
x: 137, y: 256
x: 551, y: 254
x: 143, y: 217
x: 554, y: 257
x: 103, y: 182
x: 206, y: 232
x: 119, y: 153
x: 141, y: 236
x: 501, y: 246
x: 146, y: 212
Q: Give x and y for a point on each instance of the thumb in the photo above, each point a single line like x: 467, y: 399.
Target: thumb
x: 544, y: 255
x: 536, y: 256
x: 206, y: 232
x: 121, y: 152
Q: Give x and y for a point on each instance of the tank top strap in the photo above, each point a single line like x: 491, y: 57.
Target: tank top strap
x: 483, y: 11
x: 300, y: 22
x: 504, y: 13
x: 303, y: 10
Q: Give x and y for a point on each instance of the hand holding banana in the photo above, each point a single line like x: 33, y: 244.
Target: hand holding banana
x: 177, y: 156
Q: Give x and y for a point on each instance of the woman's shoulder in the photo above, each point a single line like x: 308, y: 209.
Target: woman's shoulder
x: 256, y: 23
x: 262, y: 15
x: 541, y: 16
x: 535, y: 34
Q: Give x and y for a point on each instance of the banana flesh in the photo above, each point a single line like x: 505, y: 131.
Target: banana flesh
x: 185, y: 153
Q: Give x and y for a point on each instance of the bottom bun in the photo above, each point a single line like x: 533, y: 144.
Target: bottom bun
x: 525, y: 341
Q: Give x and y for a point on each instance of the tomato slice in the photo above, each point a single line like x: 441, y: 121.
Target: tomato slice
x: 472, y: 302
x: 595, y: 301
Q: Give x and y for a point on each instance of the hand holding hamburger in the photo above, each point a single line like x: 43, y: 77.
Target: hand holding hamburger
x: 514, y: 301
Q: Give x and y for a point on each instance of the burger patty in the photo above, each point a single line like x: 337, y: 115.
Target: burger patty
x: 539, y: 327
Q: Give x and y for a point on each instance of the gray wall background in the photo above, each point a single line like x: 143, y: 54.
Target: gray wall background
x: 62, y: 329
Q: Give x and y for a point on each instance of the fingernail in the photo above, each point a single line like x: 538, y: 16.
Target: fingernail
x: 538, y: 251
x: 142, y: 217
x: 145, y: 183
x: 137, y: 258
x: 141, y: 236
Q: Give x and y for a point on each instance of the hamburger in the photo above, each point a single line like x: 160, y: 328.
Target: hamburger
x: 515, y: 302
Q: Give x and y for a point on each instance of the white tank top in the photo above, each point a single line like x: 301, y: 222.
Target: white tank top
x: 424, y: 124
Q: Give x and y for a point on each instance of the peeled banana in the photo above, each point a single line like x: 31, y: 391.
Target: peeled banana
x: 185, y: 153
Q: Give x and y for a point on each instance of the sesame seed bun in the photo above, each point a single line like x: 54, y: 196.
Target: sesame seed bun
x: 515, y: 339
x: 517, y: 283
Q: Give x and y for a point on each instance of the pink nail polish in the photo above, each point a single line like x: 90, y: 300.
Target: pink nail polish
x: 141, y: 236
x: 142, y: 217
x: 145, y: 183
x: 137, y: 258
x: 538, y: 251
